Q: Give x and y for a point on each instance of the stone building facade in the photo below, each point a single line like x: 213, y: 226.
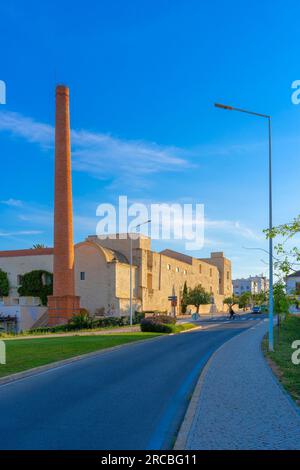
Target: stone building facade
x: 102, y: 273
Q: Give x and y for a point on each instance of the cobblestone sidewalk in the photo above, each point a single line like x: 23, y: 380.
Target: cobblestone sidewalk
x: 240, y: 404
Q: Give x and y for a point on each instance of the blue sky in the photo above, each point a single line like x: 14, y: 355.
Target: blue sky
x: 143, y: 77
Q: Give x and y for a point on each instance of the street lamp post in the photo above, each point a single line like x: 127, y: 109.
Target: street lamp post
x: 265, y: 116
x: 130, y: 275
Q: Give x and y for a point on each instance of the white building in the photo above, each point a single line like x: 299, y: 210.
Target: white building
x: 293, y: 283
x: 252, y: 284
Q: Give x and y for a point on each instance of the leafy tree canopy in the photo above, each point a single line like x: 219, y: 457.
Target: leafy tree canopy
x: 231, y: 301
x: 4, y: 284
x: 288, y: 259
x: 198, y: 296
x: 37, y: 283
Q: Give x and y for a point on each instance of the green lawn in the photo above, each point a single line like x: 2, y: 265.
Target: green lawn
x: 28, y: 353
x: 287, y: 372
x: 183, y: 327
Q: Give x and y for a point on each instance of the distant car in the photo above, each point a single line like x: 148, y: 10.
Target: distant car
x: 256, y: 309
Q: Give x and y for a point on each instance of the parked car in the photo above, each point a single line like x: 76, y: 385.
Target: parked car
x: 256, y: 309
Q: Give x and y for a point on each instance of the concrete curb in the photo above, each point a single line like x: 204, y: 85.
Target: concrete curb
x: 181, y: 440
x: 55, y: 365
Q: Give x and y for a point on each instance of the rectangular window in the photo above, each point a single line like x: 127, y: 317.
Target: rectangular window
x: 82, y: 276
x: 149, y: 282
x: 227, y: 275
x: 200, y: 268
x: 210, y: 272
x: 168, y: 267
x: 19, y: 279
x: 177, y: 270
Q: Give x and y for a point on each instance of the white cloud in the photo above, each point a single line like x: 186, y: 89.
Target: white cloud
x: 234, y: 228
x: 27, y: 128
x: 102, y: 155
x: 12, y: 202
x: 20, y: 232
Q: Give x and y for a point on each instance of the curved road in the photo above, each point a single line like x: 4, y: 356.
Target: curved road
x: 131, y: 398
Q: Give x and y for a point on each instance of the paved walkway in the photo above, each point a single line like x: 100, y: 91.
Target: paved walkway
x: 240, y: 404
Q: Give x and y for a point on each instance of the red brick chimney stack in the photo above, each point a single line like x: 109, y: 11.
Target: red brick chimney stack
x: 63, y: 304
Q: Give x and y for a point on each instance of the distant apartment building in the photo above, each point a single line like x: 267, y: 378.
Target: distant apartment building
x: 252, y: 284
x: 293, y: 283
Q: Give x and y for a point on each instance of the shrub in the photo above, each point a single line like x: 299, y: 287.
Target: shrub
x: 81, y: 321
x: 166, y: 319
x: 138, y: 317
x: 152, y: 325
x: 110, y: 321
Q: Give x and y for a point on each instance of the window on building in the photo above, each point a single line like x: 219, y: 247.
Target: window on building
x: 184, y: 271
x: 227, y: 275
x: 19, y: 279
x: 149, y: 282
x: 168, y: 267
x: 210, y: 272
x: 200, y: 268
x: 82, y: 276
x: 177, y: 269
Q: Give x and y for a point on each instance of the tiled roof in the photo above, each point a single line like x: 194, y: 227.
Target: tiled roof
x: 28, y: 252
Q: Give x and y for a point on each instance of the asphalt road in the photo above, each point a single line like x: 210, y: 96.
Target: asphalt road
x: 131, y: 398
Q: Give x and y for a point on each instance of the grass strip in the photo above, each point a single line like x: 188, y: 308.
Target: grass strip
x: 281, y: 359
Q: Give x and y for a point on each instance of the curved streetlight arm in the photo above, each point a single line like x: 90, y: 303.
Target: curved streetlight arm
x: 271, y: 306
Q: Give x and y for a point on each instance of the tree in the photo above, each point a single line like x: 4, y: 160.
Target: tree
x: 282, y: 301
x: 184, y: 299
x: 244, y: 300
x: 260, y: 298
x: 287, y: 258
x: 38, y: 246
x: 231, y: 301
x: 198, y: 296
x: 4, y: 284
x: 37, y: 283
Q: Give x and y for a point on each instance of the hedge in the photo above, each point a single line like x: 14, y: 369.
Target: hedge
x: 4, y: 284
x: 32, y: 284
x: 152, y: 325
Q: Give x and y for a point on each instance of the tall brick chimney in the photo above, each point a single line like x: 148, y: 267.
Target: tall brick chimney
x: 63, y: 303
